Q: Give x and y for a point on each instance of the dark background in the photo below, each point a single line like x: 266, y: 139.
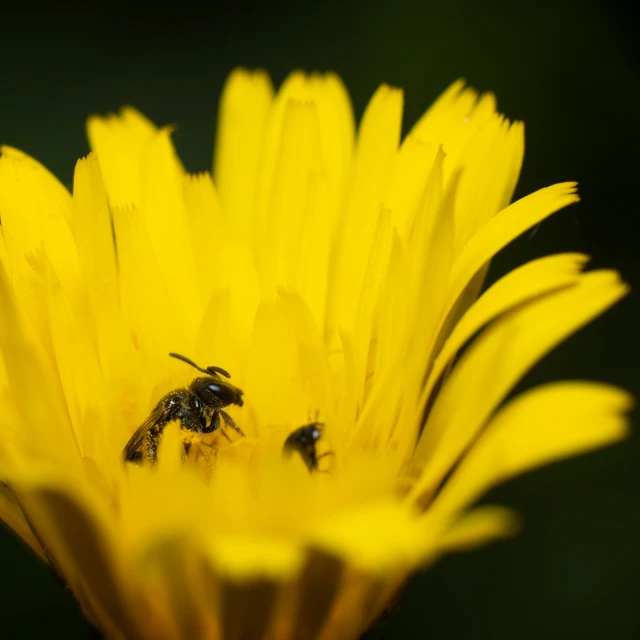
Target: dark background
x: 569, y: 69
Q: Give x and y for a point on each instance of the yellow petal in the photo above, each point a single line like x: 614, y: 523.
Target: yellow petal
x: 92, y: 232
x: 365, y: 340
x: 144, y: 294
x: 208, y: 229
x: 184, y: 594
x: 472, y: 134
x: 376, y: 150
x: 412, y: 168
x: 325, y: 96
x: 505, y: 227
x: 542, y: 425
x: 520, y: 285
x: 516, y: 342
x: 33, y: 422
x: 274, y: 398
x: 430, y: 124
x: 431, y: 257
x: 80, y: 542
x: 50, y: 193
x: 280, y: 228
x: 35, y: 210
x: 249, y: 557
x: 395, y: 544
x: 242, y: 122
x: 469, y: 268
x: 376, y: 420
x: 11, y: 514
x: 86, y: 391
x: 312, y: 273
x: 227, y: 323
x: 337, y: 128
x: 490, y: 166
x: 120, y: 142
x: 312, y: 361
x: 163, y: 214
x: 450, y: 121
x: 478, y: 527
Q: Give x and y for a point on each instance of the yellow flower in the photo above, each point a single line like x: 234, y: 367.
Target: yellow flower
x: 334, y: 275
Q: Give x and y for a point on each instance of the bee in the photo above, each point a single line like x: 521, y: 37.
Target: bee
x: 198, y: 409
x: 303, y: 441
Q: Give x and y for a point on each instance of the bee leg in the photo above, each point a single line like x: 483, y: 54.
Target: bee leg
x: 207, y: 451
x: 200, y: 452
x: 215, y: 424
x: 229, y: 421
x: 323, y: 455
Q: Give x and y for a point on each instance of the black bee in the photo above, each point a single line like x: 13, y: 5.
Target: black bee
x: 198, y: 408
x: 303, y: 441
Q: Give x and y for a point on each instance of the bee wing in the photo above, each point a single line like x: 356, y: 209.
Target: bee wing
x: 159, y: 415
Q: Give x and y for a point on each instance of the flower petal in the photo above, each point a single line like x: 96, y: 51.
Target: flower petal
x: 242, y: 123
x: 93, y: 233
x: 78, y: 540
x: 236, y: 286
x: 312, y: 273
x: 279, y: 230
x: 469, y: 267
x: 247, y: 608
x: 396, y: 542
x: 482, y: 145
x: 11, y: 514
x: 410, y: 173
x: 376, y: 150
x: 478, y: 527
x: 163, y: 213
x: 184, y: 603
x: 540, y: 426
x: 207, y: 226
x: 508, y: 348
x: 32, y: 422
x: 274, y: 348
x: 316, y: 591
x: 248, y: 558
x: 525, y: 283
x: 35, y: 210
x: 337, y: 129
x: 120, y: 142
x: 505, y: 227
x: 143, y: 291
x: 490, y: 167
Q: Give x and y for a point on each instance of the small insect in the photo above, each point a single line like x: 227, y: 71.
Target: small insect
x: 198, y: 409
x: 303, y: 441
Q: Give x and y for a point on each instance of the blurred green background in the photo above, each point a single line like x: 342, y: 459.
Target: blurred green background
x: 569, y: 69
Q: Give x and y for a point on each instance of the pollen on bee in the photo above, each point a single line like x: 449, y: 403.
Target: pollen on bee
x: 199, y: 449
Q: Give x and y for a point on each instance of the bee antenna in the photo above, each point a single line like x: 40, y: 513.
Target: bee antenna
x: 191, y: 362
x: 210, y: 370
x: 226, y: 374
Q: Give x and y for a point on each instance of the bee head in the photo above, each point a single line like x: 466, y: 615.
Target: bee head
x: 217, y: 393
x: 305, y: 436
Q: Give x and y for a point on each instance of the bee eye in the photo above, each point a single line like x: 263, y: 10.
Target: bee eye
x: 223, y: 393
